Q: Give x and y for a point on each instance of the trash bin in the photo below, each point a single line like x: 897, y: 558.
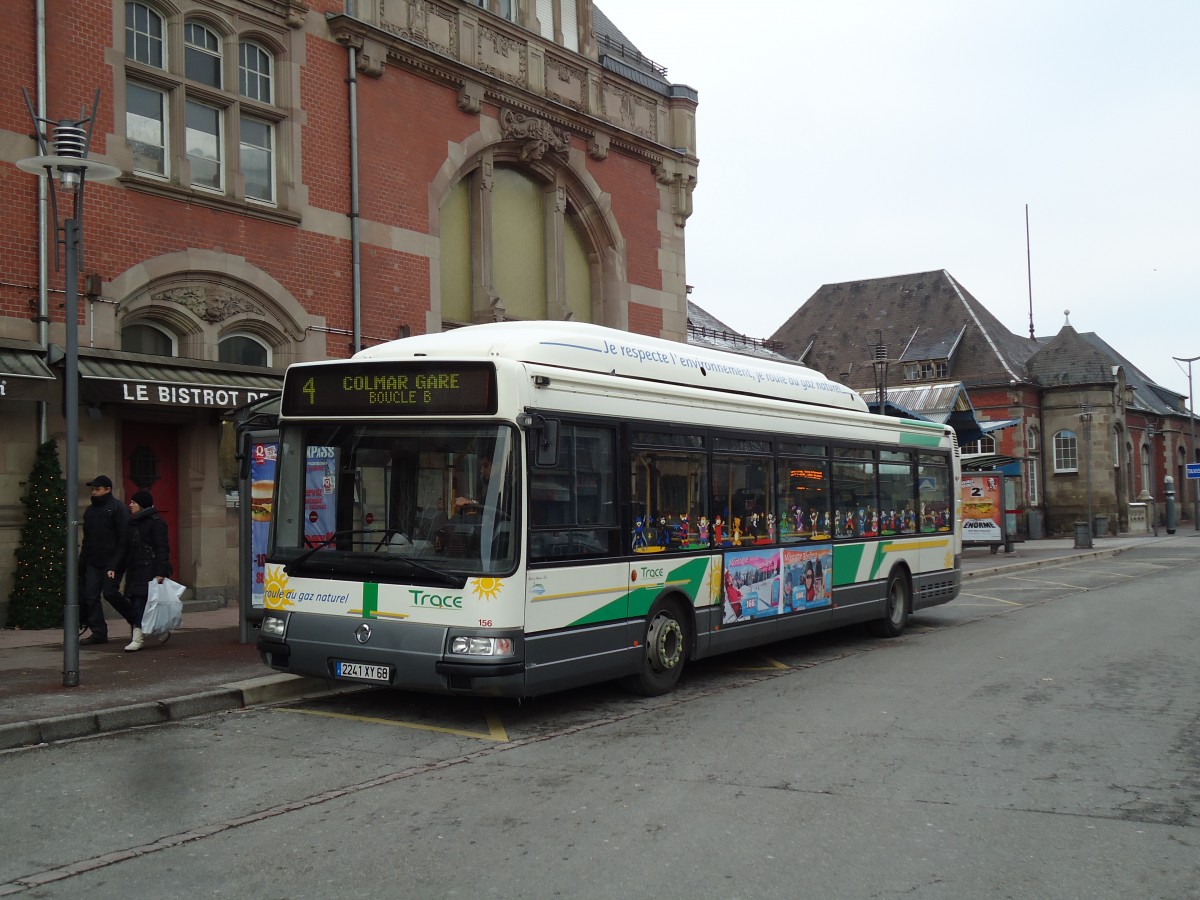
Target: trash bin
x: 1100, y: 526
x: 1083, y: 535
x: 1033, y: 521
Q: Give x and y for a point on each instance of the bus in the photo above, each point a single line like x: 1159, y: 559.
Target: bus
x: 515, y: 508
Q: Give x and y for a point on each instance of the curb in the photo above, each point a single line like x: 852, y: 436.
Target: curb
x: 238, y: 695
x: 1043, y: 563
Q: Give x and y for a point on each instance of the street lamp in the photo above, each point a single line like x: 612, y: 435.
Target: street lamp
x: 1195, y: 456
x: 1085, y: 416
x: 880, y: 363
x: 63, y: 157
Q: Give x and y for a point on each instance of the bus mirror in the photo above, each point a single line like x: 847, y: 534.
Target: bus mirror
x: 545, y: 435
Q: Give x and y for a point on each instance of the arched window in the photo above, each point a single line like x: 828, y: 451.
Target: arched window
x: 201, y: 55
x: 1032, y: 438
x: 986, y: 444
x: 243, y: 350
x: 143, y: 338
x: 1147, y: 470
x: 1066, y: 452
x: 144, y: 35
x: 512, y: 247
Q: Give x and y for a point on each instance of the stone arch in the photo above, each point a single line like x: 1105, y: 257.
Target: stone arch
x: 592, y: 209
x: 202, y: 295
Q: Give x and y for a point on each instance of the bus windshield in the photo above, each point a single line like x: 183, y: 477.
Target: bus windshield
x: 396, y: 501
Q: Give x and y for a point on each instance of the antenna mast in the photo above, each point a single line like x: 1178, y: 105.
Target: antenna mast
x: 1029, y: 273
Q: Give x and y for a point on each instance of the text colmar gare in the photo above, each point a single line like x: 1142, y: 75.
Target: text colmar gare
x: 400, y: 389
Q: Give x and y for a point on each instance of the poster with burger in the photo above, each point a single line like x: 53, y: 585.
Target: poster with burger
x: 982, y: 509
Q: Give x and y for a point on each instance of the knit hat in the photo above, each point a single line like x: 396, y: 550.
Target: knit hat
x: 144, y: 499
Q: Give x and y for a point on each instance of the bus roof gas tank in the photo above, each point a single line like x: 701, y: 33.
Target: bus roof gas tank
x: 592, y: 348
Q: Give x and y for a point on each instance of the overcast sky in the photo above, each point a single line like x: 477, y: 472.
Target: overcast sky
x: 849, y: 139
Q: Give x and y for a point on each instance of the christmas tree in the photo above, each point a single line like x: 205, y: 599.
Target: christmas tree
x: 37, y: 595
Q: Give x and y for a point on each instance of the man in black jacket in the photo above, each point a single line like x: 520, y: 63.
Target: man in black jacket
x: 104, y: 524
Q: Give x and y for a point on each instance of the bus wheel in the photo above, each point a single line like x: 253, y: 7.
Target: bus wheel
x: 665, y: 653
x: 899, y: 602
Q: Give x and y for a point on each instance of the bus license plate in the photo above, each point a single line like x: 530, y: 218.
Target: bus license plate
x: 363, y: 672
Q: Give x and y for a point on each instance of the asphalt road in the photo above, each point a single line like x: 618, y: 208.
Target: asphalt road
x: 1039, y: 737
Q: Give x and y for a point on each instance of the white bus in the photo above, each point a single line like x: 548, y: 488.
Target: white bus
x: 516, y: 508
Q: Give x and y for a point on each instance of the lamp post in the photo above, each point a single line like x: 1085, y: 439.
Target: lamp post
x: 1085, y: 416
x: 1195, y: 456
x: 880, y: 363
x: 63, y: 156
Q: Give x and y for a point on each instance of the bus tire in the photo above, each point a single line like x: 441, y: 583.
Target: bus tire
x: 897, y: 607
x: 664, y: 651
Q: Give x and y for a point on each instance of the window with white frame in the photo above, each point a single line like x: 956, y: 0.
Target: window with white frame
x: 1032, y: 491
x: 1066, y: 452
x: 1032, y: 439
x: 209, y: 122
x: 986, y: 444
x: 1147, y: 471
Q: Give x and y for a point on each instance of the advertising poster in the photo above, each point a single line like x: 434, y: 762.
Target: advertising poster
x: 320, y: 495
x: 262, y: 486
x: 751, y: 585
x: 982, y: 508
x: 807, y: 578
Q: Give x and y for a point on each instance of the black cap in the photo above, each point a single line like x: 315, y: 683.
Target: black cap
x: 100, y: 481
x: 144, y: 499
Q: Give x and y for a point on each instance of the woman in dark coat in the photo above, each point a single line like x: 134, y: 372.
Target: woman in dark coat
x: 144, y: 553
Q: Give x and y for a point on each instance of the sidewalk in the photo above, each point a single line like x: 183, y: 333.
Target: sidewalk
x: 205, y: 667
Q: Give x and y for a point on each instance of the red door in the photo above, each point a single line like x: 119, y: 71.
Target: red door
x: 150, y: 462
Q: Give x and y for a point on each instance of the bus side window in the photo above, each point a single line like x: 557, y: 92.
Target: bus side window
x: 572, y: 504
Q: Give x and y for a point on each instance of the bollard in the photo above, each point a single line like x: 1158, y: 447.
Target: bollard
x: 1170, y: 492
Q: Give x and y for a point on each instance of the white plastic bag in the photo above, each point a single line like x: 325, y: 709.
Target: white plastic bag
x: 164, y: 607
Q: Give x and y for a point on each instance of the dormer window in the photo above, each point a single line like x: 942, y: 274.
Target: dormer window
x: 926, y: 370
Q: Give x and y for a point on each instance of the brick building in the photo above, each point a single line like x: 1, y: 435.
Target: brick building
x: 1029, y: 395
x: 302, y: 178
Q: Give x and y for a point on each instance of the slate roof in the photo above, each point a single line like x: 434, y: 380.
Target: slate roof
x: 618, y: 54
x: 1067, y: 360
x: 706, y: 330
x: 1147, y: 395
x: 923, y: 315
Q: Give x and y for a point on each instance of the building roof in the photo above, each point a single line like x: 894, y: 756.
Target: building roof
x: 1068, y: 360
x: 919, y: 316
x: 1147, y: 395
x: 618, y: 54
x: 706, y: 330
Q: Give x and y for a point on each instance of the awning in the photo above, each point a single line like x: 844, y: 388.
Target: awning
x: 988, y: 462
x: 989, y: 427
x: 24, y: 375
x: 142, y: 380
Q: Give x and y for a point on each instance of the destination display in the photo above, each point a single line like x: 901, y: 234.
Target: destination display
x: 390, y: 389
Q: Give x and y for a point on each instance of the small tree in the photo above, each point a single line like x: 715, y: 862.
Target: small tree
x: 38, y: 584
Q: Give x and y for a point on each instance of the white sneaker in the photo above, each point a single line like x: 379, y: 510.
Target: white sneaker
x: 136, y: 643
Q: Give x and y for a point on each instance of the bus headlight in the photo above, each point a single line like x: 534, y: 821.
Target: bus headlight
x: 481, y: 646
x: 273, y: 627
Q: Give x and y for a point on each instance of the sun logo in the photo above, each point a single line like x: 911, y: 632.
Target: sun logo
x: 275, y: 589
x: 714, y: 579
x: 486, y: 588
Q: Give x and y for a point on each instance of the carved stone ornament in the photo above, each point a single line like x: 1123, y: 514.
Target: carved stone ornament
x: 470, y: 98
x: 598, y: 146
x: 209, y: 302
x: 538, y: 136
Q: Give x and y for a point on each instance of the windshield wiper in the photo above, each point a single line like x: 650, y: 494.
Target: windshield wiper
x: 337, y: 535
x: 453, y: 580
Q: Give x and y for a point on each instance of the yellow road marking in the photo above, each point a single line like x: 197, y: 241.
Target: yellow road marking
x: 495, y: 730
